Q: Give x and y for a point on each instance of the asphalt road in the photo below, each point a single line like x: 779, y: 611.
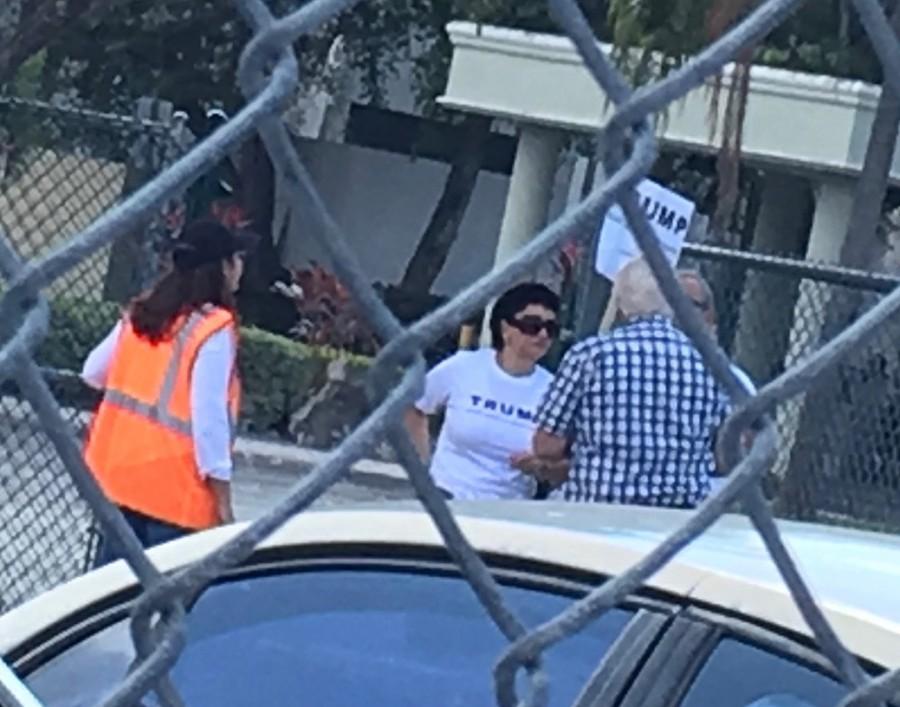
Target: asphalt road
x: 258, y: 485
x: 44, y: 524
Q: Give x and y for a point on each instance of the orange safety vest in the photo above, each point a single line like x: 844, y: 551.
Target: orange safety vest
x: 140, y: 446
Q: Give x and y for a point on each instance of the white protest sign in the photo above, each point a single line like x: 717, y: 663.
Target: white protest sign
x: 669, y: 215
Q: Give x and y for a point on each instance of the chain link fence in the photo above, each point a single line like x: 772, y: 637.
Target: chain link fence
x: 268, y: 76
x: 60, y: 170
x: 839, y: 447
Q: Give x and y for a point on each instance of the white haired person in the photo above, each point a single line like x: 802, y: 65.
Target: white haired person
x: 637, y: 406
x: 490, y: 397
x: 698, y: 291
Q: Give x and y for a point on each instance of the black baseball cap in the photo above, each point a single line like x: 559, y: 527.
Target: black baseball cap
x: 207, y: 241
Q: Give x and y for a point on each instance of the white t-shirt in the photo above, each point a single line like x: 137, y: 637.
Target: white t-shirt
x: 489, y: 417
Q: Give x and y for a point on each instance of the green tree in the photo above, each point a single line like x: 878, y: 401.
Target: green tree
x: 27, y: 26
x: 822, y: 37
x: 185, y: 51
x: 472, y: 132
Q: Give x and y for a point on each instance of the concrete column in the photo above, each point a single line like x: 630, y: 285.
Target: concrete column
x: 834, y: 201
x: 766, y: 310
x: 528, y: 198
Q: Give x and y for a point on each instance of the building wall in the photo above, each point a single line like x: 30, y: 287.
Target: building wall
x: 382, y: 201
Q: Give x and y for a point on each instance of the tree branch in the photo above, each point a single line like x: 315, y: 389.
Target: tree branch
x: 39, y: 23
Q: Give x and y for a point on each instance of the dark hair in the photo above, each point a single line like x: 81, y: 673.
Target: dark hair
x: 177, y: 293
x: 514, y: 300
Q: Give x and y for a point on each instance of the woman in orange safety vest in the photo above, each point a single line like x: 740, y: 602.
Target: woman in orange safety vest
x: 160, y: 444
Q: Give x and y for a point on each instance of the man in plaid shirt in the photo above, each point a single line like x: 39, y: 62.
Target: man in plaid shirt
x: 636, y: 407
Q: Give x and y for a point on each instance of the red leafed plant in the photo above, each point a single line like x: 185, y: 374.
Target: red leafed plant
x: 327, y: 315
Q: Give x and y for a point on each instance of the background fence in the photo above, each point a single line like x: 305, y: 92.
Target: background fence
x: 839, y: 449
x: 59, y: 171
x: 65, y: 167
x: 630, y: 151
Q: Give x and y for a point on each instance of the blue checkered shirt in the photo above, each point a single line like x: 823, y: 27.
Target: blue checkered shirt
x: 641, y: 411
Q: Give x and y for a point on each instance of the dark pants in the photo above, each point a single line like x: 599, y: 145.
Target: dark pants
x: 543, y: 491
x: 149, y: 532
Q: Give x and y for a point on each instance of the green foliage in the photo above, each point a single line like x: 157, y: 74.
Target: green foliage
x: 76, y: 327
x: 26, y: 82
x: 278, y: 374
x: 186, y: 51
x: 652, y: 38
x: 822, y: 37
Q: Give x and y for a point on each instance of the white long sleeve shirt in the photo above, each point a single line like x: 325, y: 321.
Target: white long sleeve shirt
x: 210, y: 379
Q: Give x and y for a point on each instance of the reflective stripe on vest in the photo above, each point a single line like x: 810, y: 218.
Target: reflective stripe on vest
x: 159, y: 411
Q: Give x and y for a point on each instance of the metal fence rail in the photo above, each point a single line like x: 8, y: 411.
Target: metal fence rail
x: 839, y: 448
x: 62, y: 168
x: 268, y: 73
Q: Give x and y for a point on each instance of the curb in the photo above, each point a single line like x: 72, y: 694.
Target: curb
x: 245, y: 448
x: 279, y: 453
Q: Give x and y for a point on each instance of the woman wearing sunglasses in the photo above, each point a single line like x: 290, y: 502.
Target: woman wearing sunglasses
x: 490, y: 397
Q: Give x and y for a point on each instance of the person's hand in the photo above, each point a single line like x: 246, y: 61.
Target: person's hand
x: 553, y: 472
x: 526, y: 462
x: 226, y: 514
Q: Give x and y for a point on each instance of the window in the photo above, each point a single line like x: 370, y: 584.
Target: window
x: 740, y: 675
x: 337, y: 638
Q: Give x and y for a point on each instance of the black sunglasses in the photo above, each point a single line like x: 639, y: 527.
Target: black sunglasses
x: 701, y: 305
x: 531, y: 326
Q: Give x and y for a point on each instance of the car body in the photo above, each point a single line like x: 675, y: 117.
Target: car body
x: 368, y: 593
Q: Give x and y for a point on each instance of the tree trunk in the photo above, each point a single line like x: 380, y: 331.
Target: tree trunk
x: 862, y: 240
x: 824, y: 411
x: 259, y: 305
x: 440, y: 234
x: 133, y: 264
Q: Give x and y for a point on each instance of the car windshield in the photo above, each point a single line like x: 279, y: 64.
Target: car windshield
x: 336, y: 638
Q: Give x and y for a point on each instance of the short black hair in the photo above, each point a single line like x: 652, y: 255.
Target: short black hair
x: 514, y: 300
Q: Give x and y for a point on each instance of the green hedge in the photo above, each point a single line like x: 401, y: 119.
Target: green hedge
x: 279, y: 374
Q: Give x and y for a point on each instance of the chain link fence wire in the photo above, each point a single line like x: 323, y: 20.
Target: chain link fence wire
x: 268, y: 74
x: 839, y: 446
x: 59, y: 170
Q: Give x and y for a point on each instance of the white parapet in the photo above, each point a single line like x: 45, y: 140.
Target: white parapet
x: 816, y: 123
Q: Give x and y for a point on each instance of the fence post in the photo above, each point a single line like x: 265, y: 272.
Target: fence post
x: 134, y: 260
x: 592, y: 290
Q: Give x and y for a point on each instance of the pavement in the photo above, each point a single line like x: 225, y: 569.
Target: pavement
x: 44, y: 522
x: 266, y: 471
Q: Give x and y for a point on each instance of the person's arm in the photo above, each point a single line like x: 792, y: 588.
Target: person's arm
x: 96, y: 366
x: 222, y: 491
x: 550, y: 460
x: 556, y: 414
x: 416, y: 423
x: 551, y: 471
x: 438, y: 384
x: 210, y: 417
x: 747, y: 436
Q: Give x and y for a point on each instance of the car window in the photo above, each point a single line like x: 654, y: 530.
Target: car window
x: 336, y: 639
x: 741, y: 675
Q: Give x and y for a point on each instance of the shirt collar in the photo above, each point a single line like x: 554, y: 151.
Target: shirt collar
x: 648, y: 319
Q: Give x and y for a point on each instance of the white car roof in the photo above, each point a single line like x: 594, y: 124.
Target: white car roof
x: 854, y: 574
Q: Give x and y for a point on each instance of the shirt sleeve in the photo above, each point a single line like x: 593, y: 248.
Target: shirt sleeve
x: 439, y: 384
x: 96, y: 366
x: 556, y: 413
x: 210, y: 416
